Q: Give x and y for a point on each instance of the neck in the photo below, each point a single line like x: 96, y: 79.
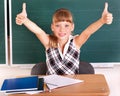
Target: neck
x: 62, y: 44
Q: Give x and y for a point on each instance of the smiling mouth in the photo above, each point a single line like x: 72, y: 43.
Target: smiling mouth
x: 62, y: 34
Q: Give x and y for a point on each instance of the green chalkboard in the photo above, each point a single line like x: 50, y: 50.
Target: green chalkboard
x: 103, y: 46
x: 2, y: 33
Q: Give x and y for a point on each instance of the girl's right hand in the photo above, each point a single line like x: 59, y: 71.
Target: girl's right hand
x: 21, y: 17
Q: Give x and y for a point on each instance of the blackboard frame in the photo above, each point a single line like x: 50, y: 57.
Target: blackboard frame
x: 4, y: 34
x: 88, y: 51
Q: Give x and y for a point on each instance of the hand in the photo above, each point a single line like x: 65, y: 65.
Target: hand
x: 21, y: 17
x: 107, y: 17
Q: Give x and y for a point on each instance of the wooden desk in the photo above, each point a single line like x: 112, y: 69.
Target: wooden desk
x: 93, y: 85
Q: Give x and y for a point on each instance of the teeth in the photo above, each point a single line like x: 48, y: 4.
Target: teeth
x: 62, y: 34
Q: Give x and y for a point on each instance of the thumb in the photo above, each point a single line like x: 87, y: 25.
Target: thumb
x: 106, y: 8
x: 24, y: 8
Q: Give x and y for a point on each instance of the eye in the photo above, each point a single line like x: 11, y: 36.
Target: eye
x: 66, y: 25
x: 57, y: 25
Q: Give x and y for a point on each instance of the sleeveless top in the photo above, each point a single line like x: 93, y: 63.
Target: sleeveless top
x: 63, y: 65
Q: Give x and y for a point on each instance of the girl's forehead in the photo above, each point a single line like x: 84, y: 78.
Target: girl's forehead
x: 62, y: 22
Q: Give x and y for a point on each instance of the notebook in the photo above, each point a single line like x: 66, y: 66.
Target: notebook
x: 56, y: 81
x: 22, y: 84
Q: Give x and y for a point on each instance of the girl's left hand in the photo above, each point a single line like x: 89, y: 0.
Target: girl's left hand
x: 107, y: 17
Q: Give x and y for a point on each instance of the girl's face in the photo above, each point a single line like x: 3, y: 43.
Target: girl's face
x: 62, y: 30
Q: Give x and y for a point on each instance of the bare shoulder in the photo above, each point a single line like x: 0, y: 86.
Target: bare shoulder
x: 81, y: 39
x: 76, y: 41
x: 44, y: 39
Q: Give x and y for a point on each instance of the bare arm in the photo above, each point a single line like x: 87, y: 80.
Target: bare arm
x: 105, y: 19
x: 22, y: 19
x: 41, y: 35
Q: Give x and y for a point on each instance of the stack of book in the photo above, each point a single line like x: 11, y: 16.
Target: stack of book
x: 24, y: 84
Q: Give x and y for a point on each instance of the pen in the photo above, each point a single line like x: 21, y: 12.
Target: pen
x: 48, y: 88
x: 51, y: 84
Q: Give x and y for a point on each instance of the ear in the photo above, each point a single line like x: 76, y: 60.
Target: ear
x: 52, y: 27
x: 73, y: 26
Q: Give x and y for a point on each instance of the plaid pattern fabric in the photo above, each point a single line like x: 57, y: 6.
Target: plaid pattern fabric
x: 62, y: 66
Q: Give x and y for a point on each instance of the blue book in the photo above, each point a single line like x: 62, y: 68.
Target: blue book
x: 22, y: 84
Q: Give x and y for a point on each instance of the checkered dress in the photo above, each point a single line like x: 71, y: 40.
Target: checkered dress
x: 69, y: 64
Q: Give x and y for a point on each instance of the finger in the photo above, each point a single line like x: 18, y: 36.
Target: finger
x: 109, y: 19
x: 18, y: 22
x: 109, y: 22
x: 24, y: 8
x: 20, y: 17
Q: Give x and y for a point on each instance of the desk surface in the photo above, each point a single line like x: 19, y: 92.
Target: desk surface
x: 93, y: 85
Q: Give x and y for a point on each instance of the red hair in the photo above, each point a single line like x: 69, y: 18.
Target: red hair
x: 62, y: 15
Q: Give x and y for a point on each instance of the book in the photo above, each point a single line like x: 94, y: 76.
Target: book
x: 22, y: 84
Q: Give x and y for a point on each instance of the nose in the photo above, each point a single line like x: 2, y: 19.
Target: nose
x: 61, y: 29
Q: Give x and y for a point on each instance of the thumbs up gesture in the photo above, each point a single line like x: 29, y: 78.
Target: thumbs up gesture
x: 107, y: 17
x: 21, y: 17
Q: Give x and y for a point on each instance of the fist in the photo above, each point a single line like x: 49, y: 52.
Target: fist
x: 21, y: 17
